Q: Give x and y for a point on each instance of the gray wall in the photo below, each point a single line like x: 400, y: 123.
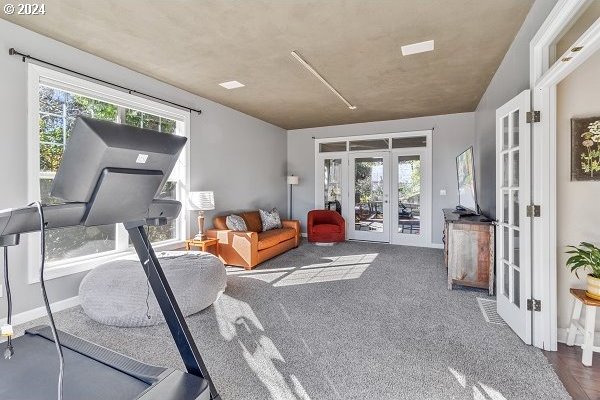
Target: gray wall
x: 511, y: 78
x: 239, y: 157
x: 452, y: 134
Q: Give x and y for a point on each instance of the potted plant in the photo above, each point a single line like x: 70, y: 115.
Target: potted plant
x: 586, y: 256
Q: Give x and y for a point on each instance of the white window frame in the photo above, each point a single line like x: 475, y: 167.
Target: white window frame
x: 544, y: 79
x: 39, y: 75
x: 427, y: 177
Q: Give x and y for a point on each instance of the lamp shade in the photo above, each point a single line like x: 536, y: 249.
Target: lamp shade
x: 203, y: 201
x: 293, y: 180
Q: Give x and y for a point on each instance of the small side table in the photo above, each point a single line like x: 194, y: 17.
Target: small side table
x: 589, y: 325
x: 203, y: 245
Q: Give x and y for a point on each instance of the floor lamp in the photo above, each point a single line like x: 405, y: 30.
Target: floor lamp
x: 202, y: 201
x: 292, y: 180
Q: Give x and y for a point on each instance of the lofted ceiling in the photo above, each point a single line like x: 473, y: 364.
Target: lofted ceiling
x: 354, y: 44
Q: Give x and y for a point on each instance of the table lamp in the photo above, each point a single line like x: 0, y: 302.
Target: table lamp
x: 202, y: 201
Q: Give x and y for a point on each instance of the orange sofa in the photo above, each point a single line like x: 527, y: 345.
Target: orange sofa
x: 250, y: 248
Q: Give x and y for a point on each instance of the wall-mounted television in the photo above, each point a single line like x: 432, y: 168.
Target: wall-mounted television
x: 465, y: 171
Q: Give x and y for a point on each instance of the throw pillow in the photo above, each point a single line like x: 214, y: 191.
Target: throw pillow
x: 270, y: 219
x: 236, y: 223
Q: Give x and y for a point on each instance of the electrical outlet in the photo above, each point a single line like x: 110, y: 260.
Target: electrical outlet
x: 442, y: 192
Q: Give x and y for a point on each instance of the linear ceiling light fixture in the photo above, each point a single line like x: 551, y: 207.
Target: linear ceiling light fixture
x: 319, y: 77
x: 416, y: 48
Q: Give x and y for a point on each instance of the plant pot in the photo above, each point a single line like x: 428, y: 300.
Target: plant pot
x: 593, y: 287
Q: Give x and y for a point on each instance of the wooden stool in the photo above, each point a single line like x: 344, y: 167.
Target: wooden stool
x: 589, y: 326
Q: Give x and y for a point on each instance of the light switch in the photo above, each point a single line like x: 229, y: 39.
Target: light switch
x: 442, y: 192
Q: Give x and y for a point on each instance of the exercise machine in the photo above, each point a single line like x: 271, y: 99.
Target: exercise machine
x: 110, y: 173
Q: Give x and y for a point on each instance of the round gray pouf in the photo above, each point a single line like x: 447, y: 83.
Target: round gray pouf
x: 115, y: 293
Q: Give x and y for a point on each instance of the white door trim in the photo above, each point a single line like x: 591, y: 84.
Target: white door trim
x: 543, y: 80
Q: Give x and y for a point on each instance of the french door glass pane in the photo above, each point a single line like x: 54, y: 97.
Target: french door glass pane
x: 516, y: 247
x: 505, y: 170
x: 506, y: 279
x: 409, y: 194
x: 506, y: 244
x: 515, y: 128
x: 368, y: 194
x: 332, y: 190
x: 516, y: 287
x: 515, y: 206
x: 505, y: 204
x: 515, y: 168
x: 505, y: 134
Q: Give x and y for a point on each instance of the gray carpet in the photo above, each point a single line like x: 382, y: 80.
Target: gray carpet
x: 352, y: 321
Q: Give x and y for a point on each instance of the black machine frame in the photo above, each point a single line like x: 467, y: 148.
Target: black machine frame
x: 166, y: 300
x: 130, y: 164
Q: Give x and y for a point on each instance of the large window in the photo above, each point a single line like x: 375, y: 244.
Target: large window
x: 59, y: 100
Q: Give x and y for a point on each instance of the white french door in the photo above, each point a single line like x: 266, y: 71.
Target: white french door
x: 513, y: 226
x: 368, y: 216
x: 410, y: 197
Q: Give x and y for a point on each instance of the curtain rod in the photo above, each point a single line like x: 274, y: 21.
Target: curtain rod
x: 13, y: 52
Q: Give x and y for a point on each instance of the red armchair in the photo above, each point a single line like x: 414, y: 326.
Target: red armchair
x: 326, y: 226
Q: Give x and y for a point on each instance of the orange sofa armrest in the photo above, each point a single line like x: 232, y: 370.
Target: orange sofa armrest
x: 236, y: 248
x: 291, y: 223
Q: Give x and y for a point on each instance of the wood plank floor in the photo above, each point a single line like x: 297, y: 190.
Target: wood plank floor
x: 582, y: 383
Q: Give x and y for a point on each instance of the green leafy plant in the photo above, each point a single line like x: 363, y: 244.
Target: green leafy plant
x: 585, y: 256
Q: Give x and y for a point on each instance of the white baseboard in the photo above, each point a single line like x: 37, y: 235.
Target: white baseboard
x: 39, y: 312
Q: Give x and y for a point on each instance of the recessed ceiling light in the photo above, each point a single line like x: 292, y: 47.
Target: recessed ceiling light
x: 415, y: 48
x: 232, y: 85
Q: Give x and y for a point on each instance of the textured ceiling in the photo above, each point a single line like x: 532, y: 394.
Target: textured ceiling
x: 355, y: 44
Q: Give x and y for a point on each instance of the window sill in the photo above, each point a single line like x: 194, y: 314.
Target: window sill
x: 65, y: 268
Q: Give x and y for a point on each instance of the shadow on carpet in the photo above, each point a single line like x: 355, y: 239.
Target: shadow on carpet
x: 352, y: 321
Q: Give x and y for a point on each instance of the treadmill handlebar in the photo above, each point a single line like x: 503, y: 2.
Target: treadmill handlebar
x: 14, y: 221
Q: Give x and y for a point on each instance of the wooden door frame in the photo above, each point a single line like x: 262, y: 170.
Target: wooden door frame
x: 544, y: 79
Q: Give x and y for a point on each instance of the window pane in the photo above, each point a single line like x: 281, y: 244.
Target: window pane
x: 369, y: 144
x: 515, y: 168
x: 505, y: 136
x: 516, y: 248
x: 51, y: 129
x: 515, y: 205
x: 50, y: 156
x: 516, y: 288
x: 505, y: 278
x: 506, y: 245
x: 505, y: 207
x: 80, y: 105
x: 505, y: 170
x: 515, y: 128
x: 409, y: 194
x: 331, y: 147
x: 417, y: 141
x: 51, y: 100
x: 332, y: 189
x: 150, y: 121
x: 368, y: 194
x: 169, y: 231
x: 167, y: 125
x: 77, y: 241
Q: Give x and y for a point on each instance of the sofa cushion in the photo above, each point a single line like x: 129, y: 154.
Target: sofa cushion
x: 220, y: 222
x: 236, y: 223
x: 270, y: 219
x: 326, y: 228
x: 273, y: 237
x: 253, y: 222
